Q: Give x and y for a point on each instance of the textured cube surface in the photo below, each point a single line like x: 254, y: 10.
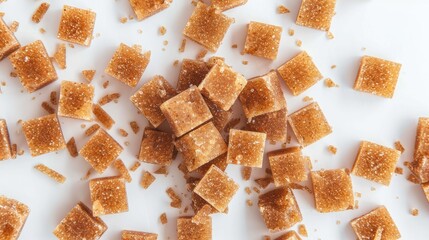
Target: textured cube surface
x: 316, y: 14
x: 425, y: 187
x: 8, y: 42
x: 246, y: 148
x: 157, y: 147
x: 13, y: 215
x: 291, y: 235
x: 43, y: 135
x: 76, y: 25
x: 76, y: 100
x: 420, y: 165
x: 33, y: 66
x: 192, y: 73
x: 108, y: 195
x: 377, y: 76
x: 263, y: 40
x: 288, y: 166
x: 333, y: 191
x: 227, y: 4
x: 220, y: 117
x: 375, y: 162
x: 134, y: 235
x: 219, y: 162
x: 187, y: 230
x: 5, y: 145
x: 128, y: 65
x: 147, y: 8
x: 274, y: 124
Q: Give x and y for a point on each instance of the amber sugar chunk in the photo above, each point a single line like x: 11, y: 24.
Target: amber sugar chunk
x: 425, y: 187
x: 76, y: 25
x: 134, y: 235
x: 216, y: 188
x: 246, y: 148
x: 50, y: 173
x: 146, y: 8
x: 374, y: 222
x: 309, y: 124
x: 186, y: 111
x: 274, y: 124
x: 13, y: 215
x: 8, y: 41
x: 375, y: 162
x: 5, y: 145
x: 262, y: 95
x: 43, y: 135
x: 420, y: 165
x: 40, y: 12
x: 222, y: 85
x: 32, y: 65
x: 156, y: 147
x: 221, y: 117
x: 108, y: 195
x: 299, y: 73
x: 333, y: 191
x: 224, y: 5
x: 101, y: 150
x: 201, y: 145
x: 279, y: 209
x: 102, y: 116
x: 263, y: 40
x: 80, y: 224
x: 291, y: 235
x: 123, y: 171
x: 288, y: 166
x: 377, y: 76
x: 147, y: 179
x: 316, y: 14
x: 149, y: 98
x: 76, y: 100
x: 192, y: 73
x: 207, y: 26
x: 187, y: 230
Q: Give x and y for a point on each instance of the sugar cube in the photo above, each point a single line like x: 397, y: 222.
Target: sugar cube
x: 156, y: 147
x: 316, y: 14
x: 274, y: 124
x: 13, y: 215
x: 263, y: 40
x: 288, y: 166
x: 76, y: 25
x: 9, y: 43
x: 246, y: 148
x: 76, y: 100
x: 146, y: 8
x: 108, y: 195
x: 187, y: 230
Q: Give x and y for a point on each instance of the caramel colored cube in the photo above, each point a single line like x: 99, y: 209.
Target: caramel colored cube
x: 76, y: 25
x: 207, y: 26
x: 425, y: 187
x: 146, y: 8
x: 186, y: 111
x: 80, y: 224
x: 8, y: 43
x: 108, y: 195
x: 246, y: 148
x: 420, y: 165
x: 367, y: 226
x: 187, y: 230
x: 76, y: 100
x: 101, y: 150
x: 377, y: 76
x: 333, y: 191
x: 263, y: 40
x: 201, y: 146
x: 299, y: 73
x: 13, y: 215
x: 220, y: 117
x: 192, y: 73
x: 216, y: 188
x: 279, y: 209
x: 33, y: 66
x: 375, y: 162
x: 288, y: 166
x: 262, y: 95
x: 224, y: 5
x: 156, y: 147
x: 134, y: 235
x: 222, y: 85
x: 5, y: 146
x: 316, y: 14
x: 274, y: 124
x: 149, y: 98
x: 291, y: 235
x: 309, y: 124
x: 43, y: 135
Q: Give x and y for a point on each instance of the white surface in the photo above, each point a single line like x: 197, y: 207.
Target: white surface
x: 390, y: 29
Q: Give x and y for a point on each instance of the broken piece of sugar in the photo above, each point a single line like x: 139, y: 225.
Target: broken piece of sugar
x: 224, y: 5
x: 40, y: 12
x: 147, y: 179
x: 420, y: 164
x: 187, y: 230
x: 246, y: 148
x: 71, y: 147
x: 76, y: 25
x: 108, y: 195
x: 123, y: 171
x: 50, y: 173
x: 5, y: 145
x: 134, y: 126
x: 102, y: 116
x: 176, y: 202
x: 76, y: 100
x: 60, y: 56
x: 88, y: 74
x: 91, y: 130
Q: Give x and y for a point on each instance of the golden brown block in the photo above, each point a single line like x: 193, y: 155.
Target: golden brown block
x: 146, y: 8
x: 207, y: 26
x: 108, y: 195
x: 333, y: 191
x: 379, y: 219
x: 274, y: 124
x: 192, y: 73
x: 8, y: 41
x: 149, y: 98
x: 425, y: 187
x: 76, y: 100
x: 375, y: 162
x: 279, y: 209
x: 299, y: 73
x: 224, y: 5
x: 263, y: 40
x: 420, y: 165
x: 5, y: 145
x: 13, y: 215
x: 187, y: 230
x: 134, y: 235
x: 246, y: 148
x: 377, y: 76
x: 309, y: 124
x: 291, y: 235
x: 186, y: 111
x: 316, y: 14
x: 288, y: 166
x: 157, y: 147
x: 32, y: 65
x: 76, y: 25
x: 101, y: 150
x: 221, y: 117
x: 80, y: 224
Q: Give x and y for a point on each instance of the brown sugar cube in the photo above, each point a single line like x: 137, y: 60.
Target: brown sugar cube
x: 224, y: 5
x: 146, y: 8
x: 8, y: 43
x: 32, y: 65
x: 279, y: 209
x: 291, y: 235
x: 134, y: 235
x: 420, y: 165
x: 108, y: 195
x: 76, y: 25
x: 377, y: 76
x: 316, y: 14
x: 43, y: 135
x: 425, y: 187
x: 207, y: 26
x: 367, y: 226
x: 219, y: 162
x: 288, y: 166
x: 101, y: 150
x: 186, y: 111
x: 149, y: 98
x: 309, y: 124
x: 216, y: 188
x: 263, y: 40
x: 5, y: 145
x: 147, y: 180
x: 375, y: 162
x: 156, y: 147
x: 274, y: 124
x: 262, y: 95
x: 187, y: 230
x: 299, y: 73
x: 220, y: 117
x: 13, y: 215
x: 246, y: 148
x: 128, y: 65
x: 76, y: 100
x: 80, y: 224
x: 50, y: 173
x: 40, y: 12
x: 102, y: 116
x: 333, y: 191
x: 123, y: 171
x: 192, y: 73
